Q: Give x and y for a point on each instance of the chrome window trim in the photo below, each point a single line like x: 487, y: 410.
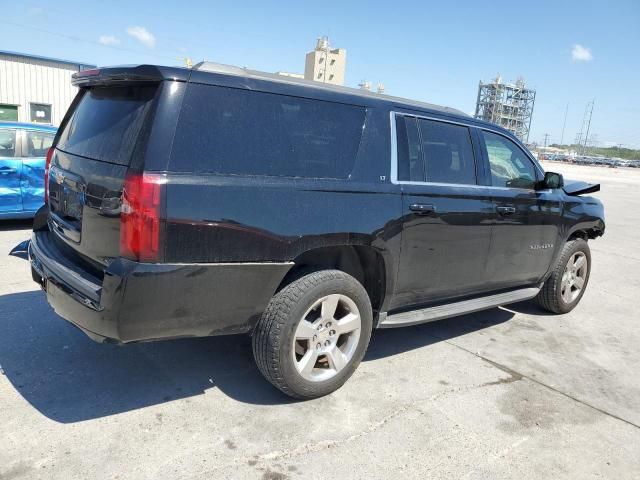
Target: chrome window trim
x: 394, y: 153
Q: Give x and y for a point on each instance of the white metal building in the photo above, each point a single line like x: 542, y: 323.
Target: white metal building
x: 36, y: 89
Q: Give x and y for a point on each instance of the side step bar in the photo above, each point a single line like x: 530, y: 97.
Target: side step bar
x: 440, y: 312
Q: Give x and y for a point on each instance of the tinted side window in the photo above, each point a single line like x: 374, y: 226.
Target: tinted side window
x: 448, y: 152
x: 38, y: 143
x: 510, y: 167
x: 7, y: 143
x: 410, y: 163
x: 235, y: 131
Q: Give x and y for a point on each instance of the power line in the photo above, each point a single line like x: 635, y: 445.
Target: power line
x: 187, y: 22
x: 86, y: 40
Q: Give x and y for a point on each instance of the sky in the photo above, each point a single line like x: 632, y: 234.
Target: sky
x: 570, y: 52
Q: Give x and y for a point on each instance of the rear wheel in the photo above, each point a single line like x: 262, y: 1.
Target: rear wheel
x: 313, y: 334
x: 564, y: 288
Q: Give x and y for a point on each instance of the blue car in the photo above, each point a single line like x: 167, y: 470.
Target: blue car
x: 23, y: 151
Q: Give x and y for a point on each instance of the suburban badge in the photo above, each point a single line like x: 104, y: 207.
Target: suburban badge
x: 544, y: 246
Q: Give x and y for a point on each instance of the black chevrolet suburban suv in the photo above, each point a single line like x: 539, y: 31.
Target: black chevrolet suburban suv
x: 218, y: 200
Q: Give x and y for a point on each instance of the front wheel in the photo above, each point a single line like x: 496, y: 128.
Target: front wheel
x: 313, y: 334
x: 564, y: 288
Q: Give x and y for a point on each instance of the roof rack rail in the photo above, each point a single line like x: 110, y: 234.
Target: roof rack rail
x: 220, y: 68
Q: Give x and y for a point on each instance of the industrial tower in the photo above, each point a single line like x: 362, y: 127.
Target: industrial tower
x: 507, y: 104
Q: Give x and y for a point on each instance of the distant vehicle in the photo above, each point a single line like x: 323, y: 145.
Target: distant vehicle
x: 620, y: 162
x: 23, y: 151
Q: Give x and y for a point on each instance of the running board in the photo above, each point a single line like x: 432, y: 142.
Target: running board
x: 440, y: 312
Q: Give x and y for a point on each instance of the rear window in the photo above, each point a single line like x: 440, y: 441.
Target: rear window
x: 448, y: 152
x: 107, y: 122
x: 235, y: 131
x: 434, y: 151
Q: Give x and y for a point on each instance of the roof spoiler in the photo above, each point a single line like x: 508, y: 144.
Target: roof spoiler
x: 127, y: 74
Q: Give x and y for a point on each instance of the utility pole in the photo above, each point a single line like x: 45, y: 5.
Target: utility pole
x: 564, y: 124
x: 582, y: 137
x: 586, y: 137
x: 546, y: 138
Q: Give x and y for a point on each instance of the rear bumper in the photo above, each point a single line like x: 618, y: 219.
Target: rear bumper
x: 145, y: 301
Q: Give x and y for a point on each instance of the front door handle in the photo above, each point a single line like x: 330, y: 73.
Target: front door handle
x: 506, y: 210
x: 422, y: 208
x: 7, y: 170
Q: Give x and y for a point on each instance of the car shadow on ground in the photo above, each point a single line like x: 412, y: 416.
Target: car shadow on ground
x: 530, y: 308
x: 22, y: 224
x: 69, y: 378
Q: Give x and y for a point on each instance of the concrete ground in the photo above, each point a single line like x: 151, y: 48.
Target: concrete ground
x: 507, y: 393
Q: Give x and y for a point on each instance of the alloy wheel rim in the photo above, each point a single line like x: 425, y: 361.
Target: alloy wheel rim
x: 326, y: 338
x: 574, y: 277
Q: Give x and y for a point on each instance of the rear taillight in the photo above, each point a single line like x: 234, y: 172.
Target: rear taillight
x: 140, y: 217
x: 47, y: 165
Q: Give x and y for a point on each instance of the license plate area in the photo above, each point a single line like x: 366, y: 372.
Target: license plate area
x: 67, y: 195
x: 69, y: 203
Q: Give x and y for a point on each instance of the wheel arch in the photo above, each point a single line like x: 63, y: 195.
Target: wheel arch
x: 584, y: 232
x: 363, y: 262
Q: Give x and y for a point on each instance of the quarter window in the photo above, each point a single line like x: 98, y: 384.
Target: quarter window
x: 242, y: 132
x: 510, y: 166
x: 434, y: 151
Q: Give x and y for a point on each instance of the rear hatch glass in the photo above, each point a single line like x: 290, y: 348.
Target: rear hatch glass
x: 107, y: 123
x: 105, y: 132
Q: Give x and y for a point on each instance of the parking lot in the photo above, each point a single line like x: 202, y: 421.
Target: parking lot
x: 507, y: 393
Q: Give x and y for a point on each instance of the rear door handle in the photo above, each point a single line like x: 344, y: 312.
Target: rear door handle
x: 422, y: 208
x: 7, y: 170
x: 506, y: 210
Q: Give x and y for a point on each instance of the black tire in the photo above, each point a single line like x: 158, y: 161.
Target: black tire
x: 274, y: 334
x: 550, y: 296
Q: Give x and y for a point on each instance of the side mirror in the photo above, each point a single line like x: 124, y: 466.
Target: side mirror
x: 551, y: 180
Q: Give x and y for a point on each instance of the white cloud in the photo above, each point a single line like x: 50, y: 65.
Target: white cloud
x: 581, y: 54
x: 143, y: 35
x: 108, y: 40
